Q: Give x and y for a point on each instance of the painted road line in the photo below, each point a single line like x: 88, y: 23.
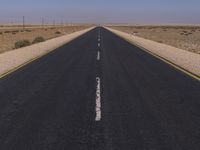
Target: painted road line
x: 23, y: 65
x: 175, y: 66
x: 190, y: 74
x: 98, y: 55
x: 99, y: 45
x: 10, y: 71
x: 98, y: 100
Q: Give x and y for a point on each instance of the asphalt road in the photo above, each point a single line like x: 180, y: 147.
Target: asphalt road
x: 99, y: 92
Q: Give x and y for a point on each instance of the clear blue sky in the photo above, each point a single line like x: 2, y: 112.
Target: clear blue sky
x: 103, y: 11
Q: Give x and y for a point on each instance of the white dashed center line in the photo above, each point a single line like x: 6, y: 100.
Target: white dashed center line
x: 98, y: 100
x: 98, y: 55
x: 98, y: 44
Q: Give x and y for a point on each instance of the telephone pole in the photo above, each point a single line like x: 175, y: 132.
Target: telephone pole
x: 42, y: 22
x: 23, y: 23
x: 54, y: 22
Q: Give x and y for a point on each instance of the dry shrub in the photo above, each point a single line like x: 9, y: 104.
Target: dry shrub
x: 38, y: 40
x: 22, y: 43
x: 57, y: 32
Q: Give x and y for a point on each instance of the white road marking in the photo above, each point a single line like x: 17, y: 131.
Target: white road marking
x: 98, y: 44
x: 98, y: 55
x: 99, y: 39
x: 98, y: 100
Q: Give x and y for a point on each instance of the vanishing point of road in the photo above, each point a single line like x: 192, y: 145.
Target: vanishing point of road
x: 99, y: 92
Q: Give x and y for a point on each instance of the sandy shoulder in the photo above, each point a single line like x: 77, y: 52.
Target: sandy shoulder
x: 185, y: 59
x: 12, y: 59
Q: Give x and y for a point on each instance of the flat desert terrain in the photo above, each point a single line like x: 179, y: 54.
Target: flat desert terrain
x: 183, y: 37
x: 10, y: 35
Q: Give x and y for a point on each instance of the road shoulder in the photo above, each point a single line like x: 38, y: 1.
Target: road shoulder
x: 182, y: 60
x: 13, y: 60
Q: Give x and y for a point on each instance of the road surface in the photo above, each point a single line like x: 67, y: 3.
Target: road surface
x: 99, y: 92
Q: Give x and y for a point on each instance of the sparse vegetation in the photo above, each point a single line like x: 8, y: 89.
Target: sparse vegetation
x: 57, y: 32
x: 7, y: 31
x: 28, y: 30
x: 16, y: 31
x: 186, y: 33
x: 184, y: 37
x: 38, y: 39
x: 9, y: 35
x: 22, y: 43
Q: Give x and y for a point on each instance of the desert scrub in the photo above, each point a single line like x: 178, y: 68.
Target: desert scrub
x: 16, y: 31
x: 7, y: 31
x: 57, y: 32
x: 22, y: 43
x: 28, y: 30
x: 38, y: 40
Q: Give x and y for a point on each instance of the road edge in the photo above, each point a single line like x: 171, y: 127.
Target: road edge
x: 69, y: 38
x: 162, y: 58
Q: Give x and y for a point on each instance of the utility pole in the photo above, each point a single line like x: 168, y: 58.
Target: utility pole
x: 42, y: 22
x: 54, y: 22
x: 23, y: 23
